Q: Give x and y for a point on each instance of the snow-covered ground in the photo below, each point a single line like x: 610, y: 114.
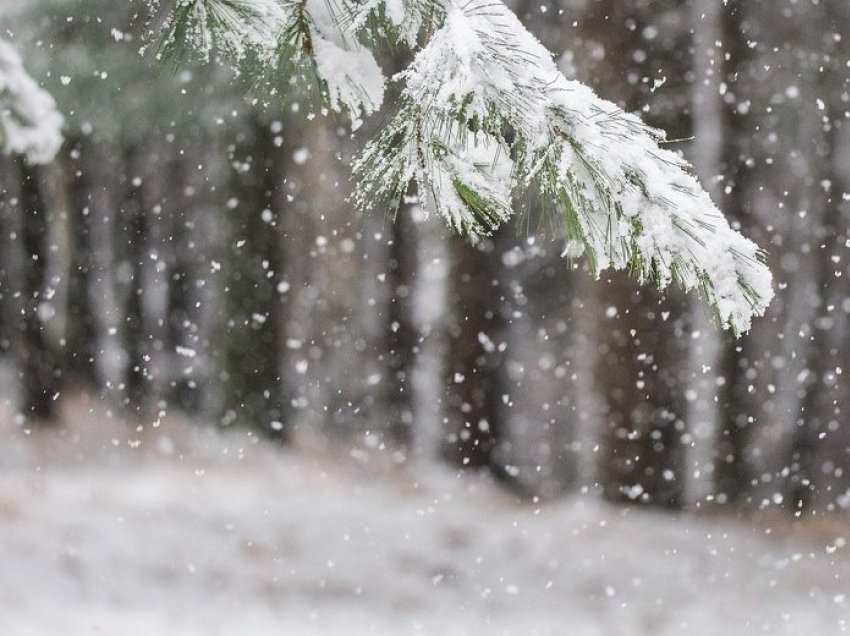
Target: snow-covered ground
x: 182, y: 531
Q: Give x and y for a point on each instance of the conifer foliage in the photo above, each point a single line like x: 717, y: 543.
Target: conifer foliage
x: 485, y: 119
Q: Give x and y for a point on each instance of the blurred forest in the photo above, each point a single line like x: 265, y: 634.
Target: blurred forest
x: 192, y: 249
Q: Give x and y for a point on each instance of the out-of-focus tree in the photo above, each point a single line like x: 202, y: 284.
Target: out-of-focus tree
x: 738, y: 406
x: 31, y: 132
x: 125, y: 116
x: 402, y: 338
x: 641, y: 334
x: 819, y: 450
x: 254, y: 342
x: 475, y: 344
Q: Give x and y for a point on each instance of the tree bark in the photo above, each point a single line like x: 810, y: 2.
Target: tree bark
x: 7, y: 259
x: 81, y: 334
x: 254, y: 349
x: 133, y: 241
x: 402, y: 338
x: 642, y: 333
x: 818, y: 440
x: 36, y: 360
x: 182, y: 312
x: 474, y: 375
x: 738, y: 362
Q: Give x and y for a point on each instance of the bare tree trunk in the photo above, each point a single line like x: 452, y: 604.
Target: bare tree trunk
x: 706, y: 154
x: 817, y: 442
x: 81, y: 334
x: 254, y: 356
x: 7, y: 258
x: 819, y: 406
x: 642, y: 333
x: 133, y: 240
x: 401, y: 337
x: 36, y: 360
x: 182, y: 312
x: 738, y: 363
x: 474, y: 375
x: 732, y: 469
x: 638, y: 374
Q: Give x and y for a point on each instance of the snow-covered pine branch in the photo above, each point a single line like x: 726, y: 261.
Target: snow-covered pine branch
x: 288, y: 39
x: 485, y: 116
x: 30, y: 125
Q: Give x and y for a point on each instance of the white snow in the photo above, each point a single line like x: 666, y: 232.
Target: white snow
x: 482, y: 164
x: 197, y: 533
x: 30, y: 125
x: 354, y: 80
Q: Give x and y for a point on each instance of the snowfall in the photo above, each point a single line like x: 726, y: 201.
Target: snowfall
x: 180, y: 529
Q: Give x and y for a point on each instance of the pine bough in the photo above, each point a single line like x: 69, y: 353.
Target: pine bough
x: 484, y: 117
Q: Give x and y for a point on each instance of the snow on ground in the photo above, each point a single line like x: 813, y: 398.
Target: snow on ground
x: 182, y: 531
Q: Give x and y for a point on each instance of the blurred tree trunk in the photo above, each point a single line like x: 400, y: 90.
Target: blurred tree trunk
x: 133, y: 242
x: 818, y: 406
x: 818, y: 452
x: 254, y: 348
x: 7, y: 258
x: 35, y: 358
x: 401, y: 338
x: 642, y: 338
x: 706, y: 154
x: 81, y: 335
x: 541, y: 411
x: 732, y: 467
x: 475, y: 379
x: 738, y: 361
x: 182, y: 312
x: 640, y: 359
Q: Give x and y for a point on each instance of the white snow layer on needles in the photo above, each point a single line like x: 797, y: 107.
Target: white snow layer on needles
x: 354, y: 80
x: 30, y: 125
x: 633, y: 197
x: 483, y: 165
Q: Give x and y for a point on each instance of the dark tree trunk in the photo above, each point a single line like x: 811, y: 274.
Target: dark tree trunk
x: 732, y: 466
x: 36, y: 360
x: 474, y: 370
x: 818, y: 440
x: 183, y: 298
x: 254, y: 358
x: 81, y: 333
x: 738, y: 363
x: 7, y: 259
x: 133, y: 245
x: 644, y: 345
x: 640, y: 357
x: 402, y: 343
x: 819, y: 405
